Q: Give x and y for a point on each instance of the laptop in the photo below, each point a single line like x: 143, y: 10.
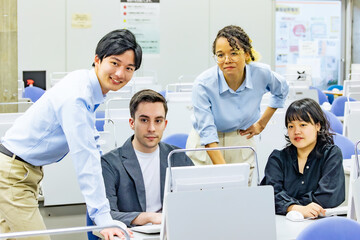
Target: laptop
x: 150, y: 228
x: 231, y: 214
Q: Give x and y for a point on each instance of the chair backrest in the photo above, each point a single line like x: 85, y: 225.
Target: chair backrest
x: 331, y: 88
x: 163, y: 93
x: 99, y: 123
x: 33, y: 92
x: 322, y: 96
x: 89, y: 222
x: 335, y: 124
x: 331, y: 228
x: 177, y: 139
x: 347, y: 147
x: 338, y: 105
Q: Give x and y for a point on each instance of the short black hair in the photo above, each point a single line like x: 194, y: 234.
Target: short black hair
x: 117, y: 42
x: 308, y: 110
x: 146, y: 95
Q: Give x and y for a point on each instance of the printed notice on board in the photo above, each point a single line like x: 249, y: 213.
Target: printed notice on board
x: 142, y: 17
x: 81, y: 20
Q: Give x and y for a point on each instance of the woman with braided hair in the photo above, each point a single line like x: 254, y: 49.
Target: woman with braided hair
x: 226, y: 100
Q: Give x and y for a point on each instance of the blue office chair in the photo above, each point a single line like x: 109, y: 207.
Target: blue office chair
x: 33, y: 92
x: 100, y: 123
x: 346, y: 145
x: 322, y: 96
x: 330, y: 96
x: 163, y: 93
x: 335, y: 124
x: 89, y: 222
x: 338, y: 106
x: 177, y: 139
x: 331, y: 228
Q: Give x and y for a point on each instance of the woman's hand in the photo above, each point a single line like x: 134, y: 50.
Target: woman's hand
x: 259, y: 126
x: 312, y: 210
x: 253, y: 130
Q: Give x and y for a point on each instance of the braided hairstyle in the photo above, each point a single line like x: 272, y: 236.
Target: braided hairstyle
x: 237, y: 39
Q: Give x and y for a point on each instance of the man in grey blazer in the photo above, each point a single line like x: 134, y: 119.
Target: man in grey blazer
x: 134, y: 174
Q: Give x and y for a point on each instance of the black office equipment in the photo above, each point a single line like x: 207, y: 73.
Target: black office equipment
x: 39, y: 78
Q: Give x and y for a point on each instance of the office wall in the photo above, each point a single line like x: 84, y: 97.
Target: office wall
x: 41, y: 35
x: 187, y: 29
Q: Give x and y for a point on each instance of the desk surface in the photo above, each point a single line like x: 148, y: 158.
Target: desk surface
x: 285, y: 230
x: 338, y: 93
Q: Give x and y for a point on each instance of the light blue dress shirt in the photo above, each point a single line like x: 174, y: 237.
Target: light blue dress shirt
x: 219, y: 108
x: 63, y: 120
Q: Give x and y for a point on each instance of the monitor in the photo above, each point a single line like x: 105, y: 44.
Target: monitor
x: 39, y: 78
x: 210, y: 177
x: 215, y: 202
x: 354, y: 187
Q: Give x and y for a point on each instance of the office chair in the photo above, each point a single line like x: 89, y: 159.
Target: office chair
x: 89, y: 222
x: 163, y: 93
x: 346, y: 145
x: 338, y: 105
x: 335, y: 124
x: 331, y: 228
x: 330, y: 96
x: 322, y: 96
x: 100, y: 123
x: 177, y: 139
x: 33, y: 92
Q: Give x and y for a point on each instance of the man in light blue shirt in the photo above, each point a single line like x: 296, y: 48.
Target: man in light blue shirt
x: 63, y: 121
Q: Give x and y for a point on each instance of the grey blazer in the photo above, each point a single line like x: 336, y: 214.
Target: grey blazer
x: 124, y: 182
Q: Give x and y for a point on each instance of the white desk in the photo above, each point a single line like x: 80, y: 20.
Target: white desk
x: 285, y: 230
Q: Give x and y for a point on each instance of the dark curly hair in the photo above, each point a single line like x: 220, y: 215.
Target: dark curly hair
x: 309, y: 111
x: 236, y: 36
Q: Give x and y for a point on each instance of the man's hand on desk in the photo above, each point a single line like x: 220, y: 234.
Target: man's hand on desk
x: 109, y: 233
x: 147, y: 217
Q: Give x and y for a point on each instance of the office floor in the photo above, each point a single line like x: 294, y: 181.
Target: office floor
x: 64, y: 217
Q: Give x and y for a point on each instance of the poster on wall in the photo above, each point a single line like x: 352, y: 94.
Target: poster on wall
x: 142, y: 17
x: 309, y: 33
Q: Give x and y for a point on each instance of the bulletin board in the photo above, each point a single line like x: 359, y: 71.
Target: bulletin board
x: 309, y: 32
